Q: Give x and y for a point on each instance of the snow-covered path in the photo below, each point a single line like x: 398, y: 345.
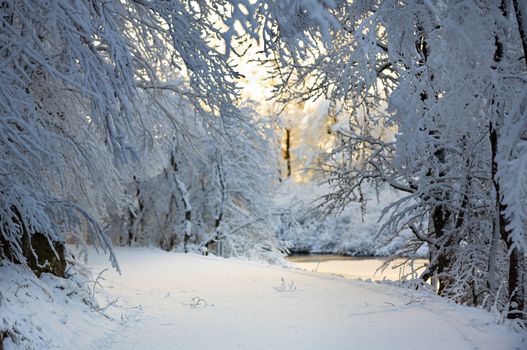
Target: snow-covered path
x: 177, y: 301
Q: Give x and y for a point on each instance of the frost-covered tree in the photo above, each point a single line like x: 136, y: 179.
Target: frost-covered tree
x: 73, y: 73
x: 449, y: 78
x: 204, y: 183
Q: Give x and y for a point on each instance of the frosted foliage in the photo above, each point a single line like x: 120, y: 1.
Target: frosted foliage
x: 298, y: 23
x: 203, y: 183
x: 72, y: 73
x: 447, y: 78
x: 513, y: 174
x: 353, y: 232
x: 128, y: 113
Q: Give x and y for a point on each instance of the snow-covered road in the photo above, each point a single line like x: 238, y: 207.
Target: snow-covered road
x: 177, y: 301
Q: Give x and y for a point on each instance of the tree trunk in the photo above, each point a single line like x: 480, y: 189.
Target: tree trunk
x: 516, y: 284
x: 183, y: 191
x: 286, y: 152
x: 41, y: 255
x: 520, y: 9
x: 219, y: 211
x: 133, y: 218
x: 516, y: 259
x: 517, y: 268
x: 441, y: 215
x: 46, y: 257
x: 492, y: 268
x: 498, y: 223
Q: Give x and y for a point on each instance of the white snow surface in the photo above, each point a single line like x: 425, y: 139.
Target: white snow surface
x: 185, y: 301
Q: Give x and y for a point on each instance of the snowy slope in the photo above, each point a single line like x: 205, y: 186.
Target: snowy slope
x: 243, y: 305
x: 48, y: 312
x: 176, y: 301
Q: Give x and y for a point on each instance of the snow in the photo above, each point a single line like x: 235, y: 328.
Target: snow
x: 185, y: 301
x: 354, y: 231
x: 46, y: 313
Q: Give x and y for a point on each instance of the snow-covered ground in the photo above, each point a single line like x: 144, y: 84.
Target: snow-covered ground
x: 177, y: 301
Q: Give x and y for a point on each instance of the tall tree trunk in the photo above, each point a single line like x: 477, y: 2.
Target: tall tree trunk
x: 216, y: 234
x: 498, y: 219
x: 168, y: 242
x: 134, y: 219
x: 520, y: 9
x: 516, y: 285
x: 517, y: 268
x: 440, y: 215
x: 516, y: 281
x: 286, y: 152
x: 183, y: 191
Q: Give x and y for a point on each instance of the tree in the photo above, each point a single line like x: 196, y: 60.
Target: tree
x: 406, y: 66
x: 73, y: 73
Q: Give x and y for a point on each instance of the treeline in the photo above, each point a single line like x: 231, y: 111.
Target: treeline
x: 128, y: 113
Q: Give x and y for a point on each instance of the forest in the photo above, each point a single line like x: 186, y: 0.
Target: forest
x: 248, y: 130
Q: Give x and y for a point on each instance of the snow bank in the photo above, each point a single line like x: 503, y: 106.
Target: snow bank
x: 48, y: 312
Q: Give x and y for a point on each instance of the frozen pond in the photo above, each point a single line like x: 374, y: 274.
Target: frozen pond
x: 355, y: 267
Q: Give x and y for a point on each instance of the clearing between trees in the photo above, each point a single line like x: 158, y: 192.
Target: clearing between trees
x: 186, y: 301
